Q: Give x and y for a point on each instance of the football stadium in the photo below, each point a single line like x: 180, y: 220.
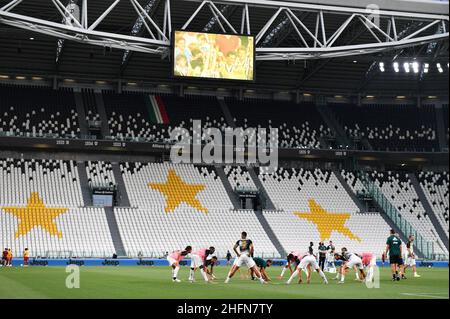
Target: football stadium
x: 224, y: 149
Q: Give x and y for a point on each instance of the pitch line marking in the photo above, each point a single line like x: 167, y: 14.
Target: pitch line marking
x: 427, y: 294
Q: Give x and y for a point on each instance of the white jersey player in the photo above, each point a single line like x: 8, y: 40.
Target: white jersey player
x: 410, y: 256
x: 308, y: 262
x: 350, y: 260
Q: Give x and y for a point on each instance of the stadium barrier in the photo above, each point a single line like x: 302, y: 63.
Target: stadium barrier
x: 163, y: 262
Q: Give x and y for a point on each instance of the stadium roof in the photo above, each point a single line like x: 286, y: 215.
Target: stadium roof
x: 24, y: 52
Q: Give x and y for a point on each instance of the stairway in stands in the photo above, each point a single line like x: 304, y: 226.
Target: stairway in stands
x: 429, y: 210
x: 226, y: 183
x: 102, y: 112
x: 334, y: 125
x: 122, y: 195
x: 349, y: 191
x: 115, y: 233
x: 270, y: 233
x: 393, y: 217
x: 226, y: 112
x: 262, y: 191
x: 84, y: 184
x: 440, y: 126
x: 82, y: 123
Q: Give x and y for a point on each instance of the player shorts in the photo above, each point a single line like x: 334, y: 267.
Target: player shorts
x: 308, y: 260
x: 355, y: 261
x: 410, y: 261
x: 171, y: 261
x: 196, y: 261
x: 245, y: 260
x: 396, y: 259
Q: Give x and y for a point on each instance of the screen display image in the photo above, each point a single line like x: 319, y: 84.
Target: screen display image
x: 213, y: 56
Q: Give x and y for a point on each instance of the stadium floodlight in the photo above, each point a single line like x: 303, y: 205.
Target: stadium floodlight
x: 381, y: 65
x: 406, y: 66
x: 396, y: 67
x: 415, y: 66
x: 439, y: 67
x: 426, y: 68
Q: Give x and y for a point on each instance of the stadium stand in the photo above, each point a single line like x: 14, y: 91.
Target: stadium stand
x: 153, y: 232
x: 37, y: 187
x: 239, y: 177
x: 290, y: 189
x: 369, y: 227
x: 90, y: 106
x: 84, y: 233
x: 352, y: 180
x: 182, y: 111
x: 300, y: 126
x: 435, y: 187
x: 129, y: 117
x: 397, y: 187
x: 445, y: 113
x: 137, y: 177
x: 56, y: 181
x: 152, y: 214
x: 152, y: 118
x: 38, y: 112
x: 390, y: 127
x: 100, y: 173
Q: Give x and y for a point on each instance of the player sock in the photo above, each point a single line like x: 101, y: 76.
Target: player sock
x: 204, y: 275
x: 175, y: 272
x: 357, y: 276
x: 283, y: 271
x: 191, y: 274
x: 322, y: 274
x: 227, y: 280
x: 294, y: 274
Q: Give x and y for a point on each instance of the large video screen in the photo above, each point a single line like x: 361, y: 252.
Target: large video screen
x: 213, y: 56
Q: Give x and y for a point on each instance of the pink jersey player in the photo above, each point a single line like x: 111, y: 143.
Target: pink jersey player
x: 201, y: 253
x: 198, y: 260
x: 177, y: 255
x: 368, y: 259
x: 174, y: 261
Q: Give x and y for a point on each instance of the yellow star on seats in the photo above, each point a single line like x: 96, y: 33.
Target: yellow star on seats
x: 327, y: 222
x: 36, y: 214
x: 177, y: 192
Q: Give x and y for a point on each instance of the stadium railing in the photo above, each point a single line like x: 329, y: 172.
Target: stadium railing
x: 424, y: 246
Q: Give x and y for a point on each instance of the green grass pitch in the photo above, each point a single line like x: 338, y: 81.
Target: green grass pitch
x: 155, y: 282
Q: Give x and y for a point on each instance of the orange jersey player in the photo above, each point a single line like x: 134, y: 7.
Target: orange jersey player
x: 26, y: 257
x: 9, y: 258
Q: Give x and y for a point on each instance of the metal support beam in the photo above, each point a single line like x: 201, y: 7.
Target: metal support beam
x: 313, y: 42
